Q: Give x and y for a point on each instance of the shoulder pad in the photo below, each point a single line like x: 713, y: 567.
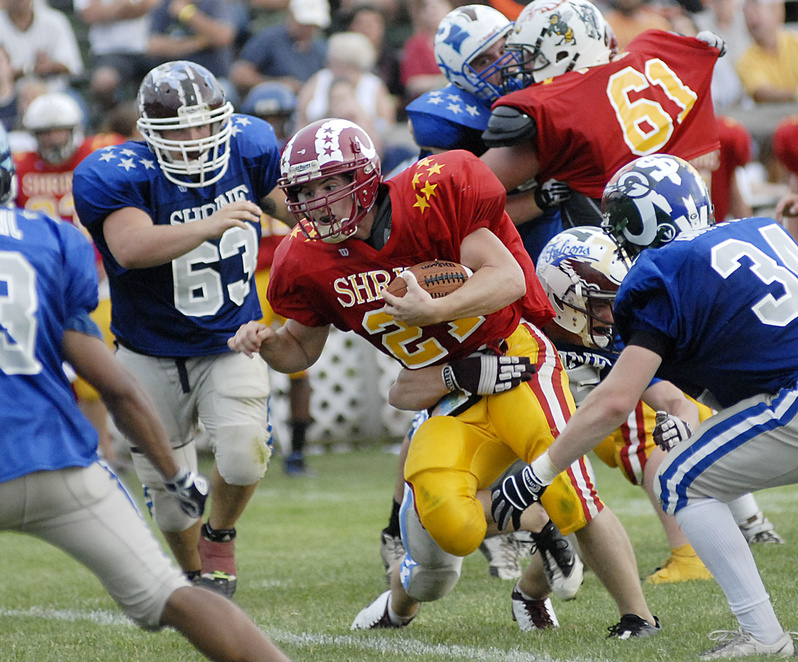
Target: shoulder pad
x: 509, y: 126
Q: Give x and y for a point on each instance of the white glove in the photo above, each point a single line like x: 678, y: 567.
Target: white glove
x: 713, y: 40
x: 191, y: 490
x: 670, y: 430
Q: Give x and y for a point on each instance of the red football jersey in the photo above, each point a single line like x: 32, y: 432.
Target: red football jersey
x: 435, y: 203
x: 735, y: 151
x: 653, y: 97
x: 46, y: 187
x: 785, y: 143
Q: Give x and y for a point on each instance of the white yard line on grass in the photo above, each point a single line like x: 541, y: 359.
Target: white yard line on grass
x: 404, y: 647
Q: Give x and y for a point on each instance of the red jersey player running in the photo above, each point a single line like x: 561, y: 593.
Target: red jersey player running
x: 356, y: 233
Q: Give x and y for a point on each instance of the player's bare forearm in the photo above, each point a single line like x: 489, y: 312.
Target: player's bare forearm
x: 607, y: 406
x: 137, y: 243
x: 419, y: 389
x: 128, y: 404
x: 664, y: 396
x: 292, y: 348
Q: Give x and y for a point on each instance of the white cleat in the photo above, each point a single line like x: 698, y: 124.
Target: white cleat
x: 738, y: 643
x: 531, y: 614
x: 376, y: 616
x: 503, y: 553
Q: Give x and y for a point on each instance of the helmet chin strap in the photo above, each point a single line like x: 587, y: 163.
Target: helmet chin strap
x: 341, y: 235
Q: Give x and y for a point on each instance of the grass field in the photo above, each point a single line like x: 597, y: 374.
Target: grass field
x: 308, y: 561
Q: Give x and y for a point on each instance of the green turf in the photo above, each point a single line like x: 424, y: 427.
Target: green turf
x: 308, y: 561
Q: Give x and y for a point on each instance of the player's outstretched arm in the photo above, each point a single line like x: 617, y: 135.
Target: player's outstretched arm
x: 134, y: 415
x: 292, y: 348
x: 480, y: 374
x: 607, y: 406
x: 127, y: 402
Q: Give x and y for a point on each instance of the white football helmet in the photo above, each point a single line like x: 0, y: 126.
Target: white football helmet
x: 464, y: 34
x: 183, y: 95
x: 552, y: 37
x: 580, y: 269
x: 52, y: 111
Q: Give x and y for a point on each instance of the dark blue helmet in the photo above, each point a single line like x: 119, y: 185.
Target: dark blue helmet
x: 268, y: 99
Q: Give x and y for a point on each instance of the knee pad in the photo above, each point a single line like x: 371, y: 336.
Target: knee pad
x: 450, y: 511
x: 427, y: 584
x: 427, y: 572
x: 164, y: 509
x: 242, y: 453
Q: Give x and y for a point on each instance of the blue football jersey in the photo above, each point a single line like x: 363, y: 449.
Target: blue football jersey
x: 449, y: 118
x: 192, y: 305
x: 47, y: 278
x: 723, y: 303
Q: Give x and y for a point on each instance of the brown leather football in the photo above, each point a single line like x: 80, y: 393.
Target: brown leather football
x: 438, y: 277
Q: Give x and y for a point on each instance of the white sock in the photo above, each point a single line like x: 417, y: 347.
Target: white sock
x: 744, y: 508
x: 395, y: 619
x: 716, y: 538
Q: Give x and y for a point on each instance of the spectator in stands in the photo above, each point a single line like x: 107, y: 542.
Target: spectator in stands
x: 265, y: 13
x: 769, y: 67
x: 628, y: 18
x: 290, y: 52
x: 28, y: 88
x: 40, y: 41
x: 8, y: 92
x: 370, y: 19
x: 118, y: 33
x: 418, y: 68
x: 725, y: 19
x: 347, y: 85
x: 202, y: 32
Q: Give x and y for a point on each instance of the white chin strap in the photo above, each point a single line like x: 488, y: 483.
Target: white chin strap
x: 340, y: 236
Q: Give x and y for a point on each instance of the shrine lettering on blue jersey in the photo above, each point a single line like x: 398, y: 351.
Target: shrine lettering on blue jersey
x: 47, y: 278
x: 696, y: 294
x: 188, y: 307
x: 203, y: 211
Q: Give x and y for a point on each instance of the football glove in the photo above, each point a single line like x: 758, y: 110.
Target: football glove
x: 551, y: 194
x: 485, y: 374
x: 191, y: 490
x: 517, y: 492
x: 713, y: 40
x: 670, y: 430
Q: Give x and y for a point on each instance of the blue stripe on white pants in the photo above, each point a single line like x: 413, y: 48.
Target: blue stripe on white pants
x: 750, y: 446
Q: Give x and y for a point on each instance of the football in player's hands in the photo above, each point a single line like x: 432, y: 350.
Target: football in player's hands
x: 437, y: 277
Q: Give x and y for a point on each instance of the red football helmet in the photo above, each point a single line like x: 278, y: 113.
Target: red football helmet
x: 180, y: 95
x: 322, y: 149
